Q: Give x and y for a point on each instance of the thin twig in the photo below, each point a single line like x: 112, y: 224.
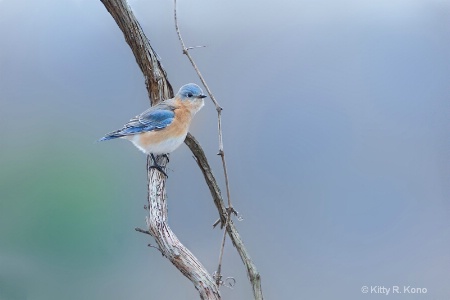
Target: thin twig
x: 142, y: 230
x: 216, y: 103
x: 185, y: 51
x: 218, y: 274
x: 150, y: 245
x: 219, y: 109
x: 189, y: 48
x: 202, y: 161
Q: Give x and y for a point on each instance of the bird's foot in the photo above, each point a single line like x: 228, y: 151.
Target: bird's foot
x: 157, y: 166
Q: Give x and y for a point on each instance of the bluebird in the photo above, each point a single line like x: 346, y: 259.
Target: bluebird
x: 162, y: 128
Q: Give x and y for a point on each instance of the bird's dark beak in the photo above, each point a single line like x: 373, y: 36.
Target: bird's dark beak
x: 202, y: 96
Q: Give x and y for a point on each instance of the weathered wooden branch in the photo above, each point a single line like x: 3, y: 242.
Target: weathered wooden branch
x: 159, y: 88
x: 167, y: 241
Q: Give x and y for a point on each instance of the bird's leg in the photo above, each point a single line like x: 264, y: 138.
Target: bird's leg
x: 156, y: 166
x: 166, y: 156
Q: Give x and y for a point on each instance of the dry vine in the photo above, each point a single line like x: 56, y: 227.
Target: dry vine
x: 159, y: 88
x: 230, y: 209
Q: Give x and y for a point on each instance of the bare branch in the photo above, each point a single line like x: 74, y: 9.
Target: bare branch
x: 218, y: 274
x: 194, y: 47
x: 252, y: 272
x: 159, y: 88
x: 167, y: 241
x: 218, y: 107
x: 214, y: 189
x: 185, y: 51
x: 142, y: 230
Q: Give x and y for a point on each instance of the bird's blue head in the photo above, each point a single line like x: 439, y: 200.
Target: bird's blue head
x: 190, y: 92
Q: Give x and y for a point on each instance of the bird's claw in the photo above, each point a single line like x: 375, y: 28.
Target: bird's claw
x: 158, y: 167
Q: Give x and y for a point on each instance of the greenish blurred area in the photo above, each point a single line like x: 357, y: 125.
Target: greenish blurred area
x: 59, y: 211
x: 68, y: 204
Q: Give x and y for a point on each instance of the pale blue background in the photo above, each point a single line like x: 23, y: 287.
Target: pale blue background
x: 336, y: 129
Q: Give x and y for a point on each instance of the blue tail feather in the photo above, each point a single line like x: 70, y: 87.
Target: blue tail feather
x: 109, y: 137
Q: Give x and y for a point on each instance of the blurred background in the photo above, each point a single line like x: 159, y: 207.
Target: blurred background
x: 336, y: 129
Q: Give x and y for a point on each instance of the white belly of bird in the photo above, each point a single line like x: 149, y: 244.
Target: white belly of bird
x: 163, y: 147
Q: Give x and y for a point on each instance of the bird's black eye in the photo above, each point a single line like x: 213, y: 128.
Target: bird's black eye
x: 189, y: 95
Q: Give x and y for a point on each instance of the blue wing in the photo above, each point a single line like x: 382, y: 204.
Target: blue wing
x: 154, y: 118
